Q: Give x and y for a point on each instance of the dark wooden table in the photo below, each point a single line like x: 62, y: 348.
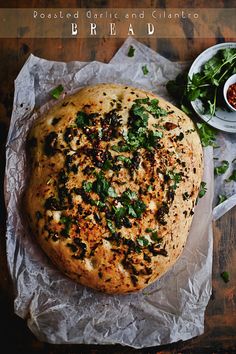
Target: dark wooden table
x: 220, y: 319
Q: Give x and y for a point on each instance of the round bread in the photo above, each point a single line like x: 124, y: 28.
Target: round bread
x: 115, y: 174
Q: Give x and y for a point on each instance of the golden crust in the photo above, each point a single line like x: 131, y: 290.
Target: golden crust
x: 111, y: 219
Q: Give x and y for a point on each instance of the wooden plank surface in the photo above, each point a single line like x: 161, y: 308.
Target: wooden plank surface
x: 220, y: 319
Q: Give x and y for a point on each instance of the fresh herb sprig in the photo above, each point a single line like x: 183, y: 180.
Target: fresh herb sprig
x: 178, y: 89
x: 207, y: 84
x: 220, y: 170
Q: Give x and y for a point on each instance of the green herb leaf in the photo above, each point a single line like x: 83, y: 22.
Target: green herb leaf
x: 98, y: 203
x: 154, y: 237
x: 232, y: 177
x: 110, y: 226
x: 225, y: 276
x: 148, y: 229
x: 131, y: 211
x: 87, y: 186
x: 111, y: 192
x: 56, y: 92
x: 124, y: 159
x: 145, y: 70
x: 142, y: 241
x: 207, y: 134
x: 82, y: 119
x: 119, y: 212
x: 135, y: 207
x: 128, y: 196
x: 139, y: 207
x: 221, y: 198
x: 131, y: 51
x: 202, y: 190
x: 219, y: 170
x: 174, y: 176
x: 101, y: 186
x: 107, y: 165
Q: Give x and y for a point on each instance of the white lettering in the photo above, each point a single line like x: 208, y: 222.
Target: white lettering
x: 141, y: 15
x: 93, y: 31
x: 130, y: 30
x: 74, y: 29
x: 112, y: 29
x: 150, y: 28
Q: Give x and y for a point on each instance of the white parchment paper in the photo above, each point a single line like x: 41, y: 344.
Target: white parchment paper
x: 58, y: 310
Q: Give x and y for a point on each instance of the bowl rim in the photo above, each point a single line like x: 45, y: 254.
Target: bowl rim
x: 225, y: 89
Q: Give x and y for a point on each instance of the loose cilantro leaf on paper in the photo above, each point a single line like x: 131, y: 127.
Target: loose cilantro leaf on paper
x: 225, y: 276
x: 131, y: 51
x: 56, y: 92
x: 221, y: 198
x: 145, y: 70
x: 220, y: 170
x: 207, y: 134
x: 202, y: 190
x: 232, y: 177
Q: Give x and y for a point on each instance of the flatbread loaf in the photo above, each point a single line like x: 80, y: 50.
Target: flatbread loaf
x: 114, y: 177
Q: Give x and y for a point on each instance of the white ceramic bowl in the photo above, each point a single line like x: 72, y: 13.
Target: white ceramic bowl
x: 231, y: 80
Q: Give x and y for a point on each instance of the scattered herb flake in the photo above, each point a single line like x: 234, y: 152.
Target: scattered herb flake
x: 219, y: 170
x: 202, y: 190
x: 131, y: 51
x: 56, y: 92
x: 124, y: 159
x: 174, y: 176
x: 148, y: 229
x: 110, y: 226
x: 82, y: 119
x: 145, y: 70
x: 87, y: 186
x: 142, y: 241
x: 232, y: 177
x: 225, y: 276
x: 111, y: 192
x: 107, y: 165
x: 221, y: 198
